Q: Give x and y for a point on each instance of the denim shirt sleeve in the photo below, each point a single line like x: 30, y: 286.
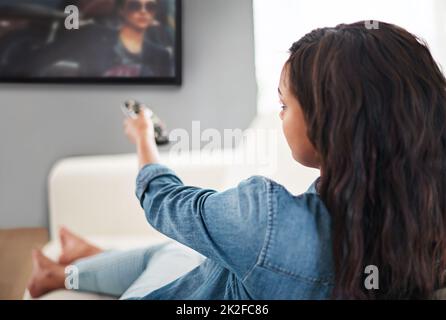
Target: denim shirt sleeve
x: 228, y: 227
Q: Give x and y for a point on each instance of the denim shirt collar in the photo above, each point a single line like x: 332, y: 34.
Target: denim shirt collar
x: 312, y: 188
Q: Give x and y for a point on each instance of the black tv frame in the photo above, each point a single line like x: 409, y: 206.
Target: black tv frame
x: 158, y: 81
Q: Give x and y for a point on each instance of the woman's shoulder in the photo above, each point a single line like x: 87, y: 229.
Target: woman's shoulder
x: 305, y: 211
x: 276, y: 191
x: 298, y: 235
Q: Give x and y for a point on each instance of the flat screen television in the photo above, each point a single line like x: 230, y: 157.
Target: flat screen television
x: 90, y: 41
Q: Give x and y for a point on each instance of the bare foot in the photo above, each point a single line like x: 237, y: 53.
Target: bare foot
x: 74, y: 247
x: 46, y: 276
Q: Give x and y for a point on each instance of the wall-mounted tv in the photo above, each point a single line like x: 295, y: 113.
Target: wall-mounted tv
x: 90, y: 41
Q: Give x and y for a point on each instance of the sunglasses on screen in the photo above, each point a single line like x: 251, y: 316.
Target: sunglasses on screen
x: 135, y: 6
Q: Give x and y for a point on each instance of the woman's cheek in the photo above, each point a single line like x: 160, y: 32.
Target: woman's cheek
x: 290, y: 133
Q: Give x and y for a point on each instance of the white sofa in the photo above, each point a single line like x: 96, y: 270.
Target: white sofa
x: 95, y: 196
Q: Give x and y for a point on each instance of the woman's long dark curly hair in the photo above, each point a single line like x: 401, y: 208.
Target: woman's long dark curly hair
x: 375, y: 104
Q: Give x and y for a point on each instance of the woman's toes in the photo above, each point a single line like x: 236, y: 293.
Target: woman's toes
x: 74, y: 247
x: 46, y: 275
x: 70, y: 245
x: 67, y: 237
x: 62, y: 236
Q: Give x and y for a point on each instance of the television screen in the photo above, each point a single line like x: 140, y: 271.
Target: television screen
x: 105, y: 41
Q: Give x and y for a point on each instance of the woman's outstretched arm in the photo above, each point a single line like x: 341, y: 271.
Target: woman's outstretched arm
x: 229, y: 227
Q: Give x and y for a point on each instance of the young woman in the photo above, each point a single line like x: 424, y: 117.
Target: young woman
x: 367, y: 107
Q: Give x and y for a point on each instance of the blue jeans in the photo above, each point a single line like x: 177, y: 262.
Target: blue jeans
x: 135, y: 273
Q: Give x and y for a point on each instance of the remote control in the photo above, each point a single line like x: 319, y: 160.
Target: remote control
x: 132, y: 108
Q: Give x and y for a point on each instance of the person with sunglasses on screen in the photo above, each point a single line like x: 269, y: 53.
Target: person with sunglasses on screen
x: 134, y: 54
x: 120, y: 49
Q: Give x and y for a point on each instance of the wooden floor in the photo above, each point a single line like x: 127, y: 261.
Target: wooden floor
x: 15, y: 259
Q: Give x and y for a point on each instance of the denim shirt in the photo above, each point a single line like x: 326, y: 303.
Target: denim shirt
x: 260, y: 241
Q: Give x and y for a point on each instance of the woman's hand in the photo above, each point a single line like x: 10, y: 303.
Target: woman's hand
x: 139, y: 128
x: 140, y: 131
